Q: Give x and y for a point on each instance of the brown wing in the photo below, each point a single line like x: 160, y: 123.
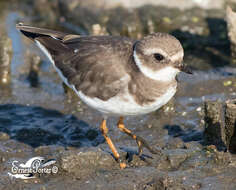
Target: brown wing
x: 96, y: 65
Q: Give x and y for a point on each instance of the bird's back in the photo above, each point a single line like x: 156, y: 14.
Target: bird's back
x: 93, y: 64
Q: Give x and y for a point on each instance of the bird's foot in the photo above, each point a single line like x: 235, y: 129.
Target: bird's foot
x: 122, y: 163
x: 143, y: 143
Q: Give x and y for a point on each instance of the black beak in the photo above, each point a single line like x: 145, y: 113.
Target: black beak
x: 184, y: 68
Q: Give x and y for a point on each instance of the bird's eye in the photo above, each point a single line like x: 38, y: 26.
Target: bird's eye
x: 158, y: 56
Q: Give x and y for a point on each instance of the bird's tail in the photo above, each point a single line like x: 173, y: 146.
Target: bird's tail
x: 55, y: 45
x: 49, y: 41
x: 33, y: 32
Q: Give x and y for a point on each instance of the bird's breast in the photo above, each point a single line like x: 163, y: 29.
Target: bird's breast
x: 125, y: 104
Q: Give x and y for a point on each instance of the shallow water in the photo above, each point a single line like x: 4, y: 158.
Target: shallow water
x: 45, y: 115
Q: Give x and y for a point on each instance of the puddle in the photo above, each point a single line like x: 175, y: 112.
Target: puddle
x: 36, y: 126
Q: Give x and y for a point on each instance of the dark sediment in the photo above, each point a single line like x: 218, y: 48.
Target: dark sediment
x: 220, y: 124
x: 38, y: 119
x: 230, y: 123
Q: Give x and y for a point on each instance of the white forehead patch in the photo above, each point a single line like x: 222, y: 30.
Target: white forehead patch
x: 166, y: 74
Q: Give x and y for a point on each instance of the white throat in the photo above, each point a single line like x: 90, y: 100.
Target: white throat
x: 166, y: 74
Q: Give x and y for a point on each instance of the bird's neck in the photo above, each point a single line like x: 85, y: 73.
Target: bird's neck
x: 147, y: 90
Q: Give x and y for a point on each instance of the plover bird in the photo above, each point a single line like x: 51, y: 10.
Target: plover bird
x: 115, y: 75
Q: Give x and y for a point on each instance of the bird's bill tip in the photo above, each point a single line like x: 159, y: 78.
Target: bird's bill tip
x: 184, y: 68
x: 187, y: 69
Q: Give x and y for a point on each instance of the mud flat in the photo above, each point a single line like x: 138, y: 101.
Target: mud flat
x: 37, y: 117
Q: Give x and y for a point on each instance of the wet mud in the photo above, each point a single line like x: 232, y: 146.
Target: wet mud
x: 40, y: 117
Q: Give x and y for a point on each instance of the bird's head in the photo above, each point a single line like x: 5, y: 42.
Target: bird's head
x: 159, y: 56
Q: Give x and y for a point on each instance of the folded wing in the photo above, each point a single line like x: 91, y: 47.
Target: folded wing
x: 92, y: 64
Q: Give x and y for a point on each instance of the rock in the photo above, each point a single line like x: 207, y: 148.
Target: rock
x: 216, y: 157
x: 177, y: 157
x: 222, y: 158
x: 5, y: 59
x: 48, y: 150
x: 4, y: 136
x: 84, y: 162
x: 214, y: 132
x: 194, y: 145
x: 231, y: 26
x: 174, y: 143
x: 230, y: 124
x: 220, y: 124
x: 162, y: 182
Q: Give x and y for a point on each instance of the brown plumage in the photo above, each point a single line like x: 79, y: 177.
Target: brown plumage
x: 79, y: 59
x: 114, y: 74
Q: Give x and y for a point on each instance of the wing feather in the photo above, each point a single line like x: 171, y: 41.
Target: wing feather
x: 95, y: 65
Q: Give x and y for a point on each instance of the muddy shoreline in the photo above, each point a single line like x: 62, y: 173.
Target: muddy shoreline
x: 44, y: 120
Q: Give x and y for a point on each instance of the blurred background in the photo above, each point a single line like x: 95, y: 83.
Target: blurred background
x: 40, y: 116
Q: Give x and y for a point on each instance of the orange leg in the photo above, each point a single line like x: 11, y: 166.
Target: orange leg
x: 139, y: 140
x: 104, y: 130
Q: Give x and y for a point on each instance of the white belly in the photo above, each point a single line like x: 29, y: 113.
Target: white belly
x: 119, y: 106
